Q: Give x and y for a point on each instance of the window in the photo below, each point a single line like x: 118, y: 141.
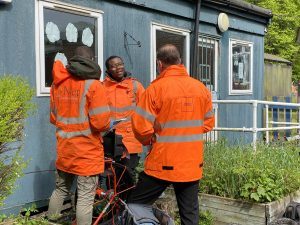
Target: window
x: 208, y: 62
x: 162, y: 35
x: 208, y: 72
x: 63, y: 27
x: 240, y: 61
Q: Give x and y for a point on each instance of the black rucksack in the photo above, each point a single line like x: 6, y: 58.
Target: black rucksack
x: 138, y: 214
x: 292, y: 211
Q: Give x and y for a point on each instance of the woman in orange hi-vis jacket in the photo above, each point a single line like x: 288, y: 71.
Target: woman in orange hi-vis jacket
x: 172, y: 115
x: 80, y: 112
x: 123, y: 92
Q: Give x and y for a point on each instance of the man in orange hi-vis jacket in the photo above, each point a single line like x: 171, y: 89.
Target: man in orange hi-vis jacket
x: 173, y: 114
x: 80, y: 112
x: 123, y: 92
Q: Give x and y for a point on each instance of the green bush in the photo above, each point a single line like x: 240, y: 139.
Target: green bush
x: 15, y: 96
x: 239, y: 172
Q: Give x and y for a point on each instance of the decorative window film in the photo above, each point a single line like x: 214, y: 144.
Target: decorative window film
x: 63, y: 27
x: 241, y: 81
x: 161, y: 35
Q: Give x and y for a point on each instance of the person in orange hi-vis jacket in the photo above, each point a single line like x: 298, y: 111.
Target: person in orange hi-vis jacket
x: 80, y: 112
x: 172, y: 115
x: 123, y: 92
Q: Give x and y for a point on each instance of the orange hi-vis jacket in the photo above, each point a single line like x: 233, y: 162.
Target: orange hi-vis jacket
x: 122, y: 99
x: 175, y: 109
x: 80, y: 111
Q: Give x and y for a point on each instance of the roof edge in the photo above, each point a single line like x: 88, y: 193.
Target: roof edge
x: 275, y: 58
x: 243, y: 6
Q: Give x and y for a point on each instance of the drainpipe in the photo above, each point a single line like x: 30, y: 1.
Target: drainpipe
x: 196, y: 32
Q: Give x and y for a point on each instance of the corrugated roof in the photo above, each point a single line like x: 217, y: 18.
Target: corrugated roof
x: 276, y: 58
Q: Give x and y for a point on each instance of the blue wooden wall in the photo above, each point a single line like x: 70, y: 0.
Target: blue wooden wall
x: 17, y: 56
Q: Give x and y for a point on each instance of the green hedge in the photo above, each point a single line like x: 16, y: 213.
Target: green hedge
x: 238, y: 172
x: 15, y: 96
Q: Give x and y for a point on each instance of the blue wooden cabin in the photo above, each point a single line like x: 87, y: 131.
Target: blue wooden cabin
x: 221, y: 43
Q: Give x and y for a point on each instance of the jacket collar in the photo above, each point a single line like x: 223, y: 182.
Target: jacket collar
x: 174, y: 70
x: 108, y: 78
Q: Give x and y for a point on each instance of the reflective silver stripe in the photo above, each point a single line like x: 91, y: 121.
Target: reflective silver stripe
x: 182, y: 123
x: 209, y: 114
x: 64, y: 134
x: 72, y: 120
x: 178, y: 139
x: 145, y: 114
x: 99, y: 110
x: 87, y: 85
x: 82, y: 117
x: 126, y: 119
x: 121, y: 109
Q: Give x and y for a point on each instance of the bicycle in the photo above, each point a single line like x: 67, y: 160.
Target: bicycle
x: 110, y: 196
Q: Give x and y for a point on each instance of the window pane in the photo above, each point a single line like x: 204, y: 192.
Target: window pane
x: 163, y: 37
x: 206, y: 60
x: 241, y: 67
x: 63, y: 32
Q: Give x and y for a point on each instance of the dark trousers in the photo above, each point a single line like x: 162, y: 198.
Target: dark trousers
x: 149, y: 188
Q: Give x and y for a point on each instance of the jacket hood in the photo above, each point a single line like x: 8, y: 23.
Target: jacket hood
x: 84, y: 68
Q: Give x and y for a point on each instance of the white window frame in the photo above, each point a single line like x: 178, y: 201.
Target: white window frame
x: 240, y: 92
x: 42, y: 90
x: 166, y: 28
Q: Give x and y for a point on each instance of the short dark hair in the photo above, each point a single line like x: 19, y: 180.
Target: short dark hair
x: 168, y: 54
x: 84, y: 52
x: 110, y: 58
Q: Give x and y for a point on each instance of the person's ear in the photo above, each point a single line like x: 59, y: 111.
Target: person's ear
x: 159, y: 65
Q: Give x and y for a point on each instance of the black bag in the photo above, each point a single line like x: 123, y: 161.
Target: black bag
x: 292, y: 211
x: 113, y: 145
x: 139, y: 214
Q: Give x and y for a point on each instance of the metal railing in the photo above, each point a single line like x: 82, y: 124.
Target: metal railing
x: 255, y: 129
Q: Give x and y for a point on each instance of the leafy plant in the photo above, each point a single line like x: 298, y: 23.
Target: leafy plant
x: 2, y: 217
x: 269, y: 173
x: 15, y: 96
x: 25, y: 219
x: 205, y: 218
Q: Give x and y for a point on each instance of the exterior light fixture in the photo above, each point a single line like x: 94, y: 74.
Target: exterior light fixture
x: 223, y: 22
